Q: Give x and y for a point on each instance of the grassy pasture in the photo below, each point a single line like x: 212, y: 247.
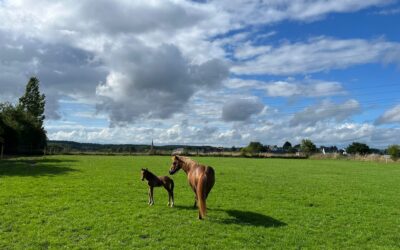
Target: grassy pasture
x: 99, y: 202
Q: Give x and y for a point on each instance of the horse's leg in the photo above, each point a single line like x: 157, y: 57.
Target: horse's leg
x: 195, y: 197
x: 210, y: 184
x: 195, y: 201
x: 151, y: 196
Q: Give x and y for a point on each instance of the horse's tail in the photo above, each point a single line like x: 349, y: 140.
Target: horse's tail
x: 201, y: 195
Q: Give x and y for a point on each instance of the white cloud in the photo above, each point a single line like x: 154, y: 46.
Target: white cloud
x: 318, y: 54
x: 384, y: 137
x: 274, y: 132
x: 107, y: 56
x: 386, y: 12
x: 325, y: 111
x: 158, y: 62
x: 257, y: 12
x: 390, y: 116
x: 241, y: 109
x: 308, y: 88
x: 154, y: 82
x: 238, y: 83
x: 246, y: 51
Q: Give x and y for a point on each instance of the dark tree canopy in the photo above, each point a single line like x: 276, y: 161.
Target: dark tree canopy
x: 307, y: 146
x: 287, y: 146
x: 21, y: 126
x: 394, y: 152
x: 253, y: 147
x: 358, y: 148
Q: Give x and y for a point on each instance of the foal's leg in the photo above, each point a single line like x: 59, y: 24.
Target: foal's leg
x: 169, y: 198
x: 151, y: 196
x: 169, y: 194
x: 172, y: 197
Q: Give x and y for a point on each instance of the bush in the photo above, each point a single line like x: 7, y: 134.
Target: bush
x: 358, y: 148
x: 308, y: 147
x: 252, y: 148
x: 394, y: 152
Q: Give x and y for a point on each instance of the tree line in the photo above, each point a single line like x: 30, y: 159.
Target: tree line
x: 71, y: 147
x: 307, y: 147
x: 21, y: 124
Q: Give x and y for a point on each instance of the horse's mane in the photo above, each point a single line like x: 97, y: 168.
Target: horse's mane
x: 187, y: 160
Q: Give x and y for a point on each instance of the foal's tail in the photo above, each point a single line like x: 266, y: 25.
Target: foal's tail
x: 201, y: 195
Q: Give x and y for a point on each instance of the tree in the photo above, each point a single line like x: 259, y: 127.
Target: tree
x: 287, y: 146
x: 32, y: 101
x: 253, y: 147
x: 21, y: 126
x: 308, y: 147
x: 358, y: 148
x: 1, y: 147
x: 394, y: 152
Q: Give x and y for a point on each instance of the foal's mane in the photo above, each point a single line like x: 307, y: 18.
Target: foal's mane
x: 148, y: 173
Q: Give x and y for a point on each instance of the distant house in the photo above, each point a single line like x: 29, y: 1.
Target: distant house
x: 178, y: 151
x: 275, y: 149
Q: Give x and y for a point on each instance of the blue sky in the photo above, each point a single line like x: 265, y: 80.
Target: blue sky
x: 208, y: 72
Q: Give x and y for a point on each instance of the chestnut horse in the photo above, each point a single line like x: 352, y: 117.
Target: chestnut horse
x: 201, y: 178
x: 158, y: 181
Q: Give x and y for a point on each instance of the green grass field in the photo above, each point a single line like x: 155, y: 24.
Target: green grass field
x: 99, y: 202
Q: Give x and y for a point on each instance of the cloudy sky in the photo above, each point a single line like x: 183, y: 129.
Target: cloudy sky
x: 208, y: 72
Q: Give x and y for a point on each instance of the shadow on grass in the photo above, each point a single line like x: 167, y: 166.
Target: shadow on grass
x: 243, y: 217
x: 185, y: 207
x: 251, y: 218
x: 34, y: 167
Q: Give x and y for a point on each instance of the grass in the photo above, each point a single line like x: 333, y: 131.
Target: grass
x: 99, y: 202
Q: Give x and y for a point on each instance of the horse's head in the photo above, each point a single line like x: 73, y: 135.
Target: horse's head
x: 176, y: 164
x: 144, y: 172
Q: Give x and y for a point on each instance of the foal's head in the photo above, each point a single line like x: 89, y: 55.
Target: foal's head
x: 176, y: 164
x: 144, y: 173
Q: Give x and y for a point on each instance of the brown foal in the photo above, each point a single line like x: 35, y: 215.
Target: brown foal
x: 158, y: 181
x: 201, y: 178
